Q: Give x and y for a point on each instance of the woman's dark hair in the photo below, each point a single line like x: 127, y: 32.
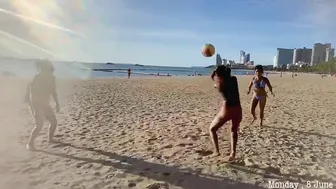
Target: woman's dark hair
x: 223, y: 71
x: 259, y: 67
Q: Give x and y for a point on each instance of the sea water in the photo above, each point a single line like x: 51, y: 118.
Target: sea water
x: 27, y: 68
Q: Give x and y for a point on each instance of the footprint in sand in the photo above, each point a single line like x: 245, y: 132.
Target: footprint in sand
x: 147, y: 169
x: 151, y: 140
x: 166, y: 174
x: 204, y: 152
x: 185, y: 144
x: 131, y: 184
x: 274, y: 170
x: 158, y: 186
x: 191, y: 137
x: 58, y: 135
x: 168, y: 146
x: 59, y: 145
x: 80, y: 164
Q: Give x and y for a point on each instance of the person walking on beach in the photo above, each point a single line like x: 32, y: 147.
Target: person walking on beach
x: 129, y: 73
x: 259, y: 93
x: 38, y: 95
x: 231, y: 109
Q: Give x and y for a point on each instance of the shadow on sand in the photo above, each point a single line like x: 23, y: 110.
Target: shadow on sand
x: 185, y: 178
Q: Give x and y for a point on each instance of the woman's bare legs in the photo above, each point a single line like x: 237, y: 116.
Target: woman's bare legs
x: 51, y: 117
x: 262, y: 105
x: 215, y: 125
x: 254, y: 103
x: 38, y: 120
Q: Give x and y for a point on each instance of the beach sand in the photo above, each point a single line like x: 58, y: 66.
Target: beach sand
x: 153, y: 133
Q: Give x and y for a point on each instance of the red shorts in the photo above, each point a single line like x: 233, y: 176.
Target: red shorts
x: 234, y: 114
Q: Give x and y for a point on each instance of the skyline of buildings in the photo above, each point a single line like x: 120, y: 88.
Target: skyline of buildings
x: 319, y: 53
x: 247, y: 58
x: 304, y: 56
x: 244, y: 58
x: 225, y: 61
x: 330, y: 54
x: 284, y: 57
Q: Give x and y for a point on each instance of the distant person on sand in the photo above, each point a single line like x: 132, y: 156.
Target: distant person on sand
x: 259, y: 93
x: 129, y: 73
x: 37, y: 97
x: 231, y: 109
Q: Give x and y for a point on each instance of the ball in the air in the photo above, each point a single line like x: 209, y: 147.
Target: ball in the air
x: 208, y: 50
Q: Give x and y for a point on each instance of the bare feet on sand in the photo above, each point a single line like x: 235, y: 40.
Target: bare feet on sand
x: 231, y: 158
x: 30, y: 147
x: 261, y: 123
x: 254, y: 118
x: 215, y: 154
x: 228, y: 152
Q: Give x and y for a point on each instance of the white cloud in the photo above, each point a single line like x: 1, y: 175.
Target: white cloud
x: 39, y: 21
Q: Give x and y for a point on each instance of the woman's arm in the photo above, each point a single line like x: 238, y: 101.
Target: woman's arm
x: 268, y: 83
x: 53, y: 88
x: 213, y: 75
x: 250, y: 86
x: 54, y: 93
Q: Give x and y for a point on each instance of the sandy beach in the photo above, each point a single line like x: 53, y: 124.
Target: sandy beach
x: 153, y: 133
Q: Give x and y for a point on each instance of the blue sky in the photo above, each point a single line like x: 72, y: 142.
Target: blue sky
x: 170, y: 32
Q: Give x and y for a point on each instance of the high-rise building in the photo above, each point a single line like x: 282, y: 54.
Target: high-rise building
x: 218, y: 59
x: 319, y: 53
x: 247, y: 58
x: 275, y: 61
x: 330, y: 53
x: 225, y: 61
x: 284, y: 57
x: 242, y: 56
x: 295, y: 54
x: 302, y: 55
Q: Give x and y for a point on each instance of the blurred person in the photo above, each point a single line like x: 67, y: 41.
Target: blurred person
x: 38, y: 96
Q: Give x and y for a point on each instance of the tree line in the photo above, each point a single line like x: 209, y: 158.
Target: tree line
x: 328, y: 67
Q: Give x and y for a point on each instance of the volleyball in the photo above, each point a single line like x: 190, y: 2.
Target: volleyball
x: 208, y: 50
